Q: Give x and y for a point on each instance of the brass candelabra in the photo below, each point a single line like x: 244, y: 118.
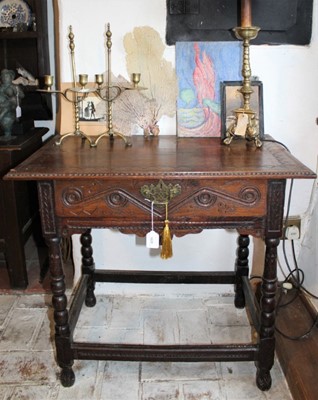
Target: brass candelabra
x: 246, y: 122
x: 79, y: 91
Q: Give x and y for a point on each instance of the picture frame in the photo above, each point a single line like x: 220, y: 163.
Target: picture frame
x: 92, y: 110
x: 200, y: 68
x: 232, y: 99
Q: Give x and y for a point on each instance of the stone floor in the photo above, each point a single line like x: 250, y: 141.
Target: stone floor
x: 28, y: 369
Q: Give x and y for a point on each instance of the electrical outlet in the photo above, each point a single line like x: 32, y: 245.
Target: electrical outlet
x: 292, y: 228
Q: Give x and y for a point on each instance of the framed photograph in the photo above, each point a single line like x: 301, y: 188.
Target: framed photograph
x: 92, y: 110
x: 233, y: 99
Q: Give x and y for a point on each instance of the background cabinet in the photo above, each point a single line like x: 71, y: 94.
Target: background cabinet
x: 19, y: 216
x: 30, y: 49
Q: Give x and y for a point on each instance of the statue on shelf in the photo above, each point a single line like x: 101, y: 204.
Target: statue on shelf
x: 10, y: 96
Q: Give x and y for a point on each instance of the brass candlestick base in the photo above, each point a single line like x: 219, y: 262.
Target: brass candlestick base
x: 245, y: 124
x: 73, y: 95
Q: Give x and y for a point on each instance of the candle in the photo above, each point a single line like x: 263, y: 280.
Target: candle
x: 246, y: 13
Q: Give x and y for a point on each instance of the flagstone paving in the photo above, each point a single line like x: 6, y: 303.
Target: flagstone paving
x: 27, y: 362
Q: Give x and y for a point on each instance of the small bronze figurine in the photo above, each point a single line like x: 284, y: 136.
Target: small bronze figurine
x: 10, y: 95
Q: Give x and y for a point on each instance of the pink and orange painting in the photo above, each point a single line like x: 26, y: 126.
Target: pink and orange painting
x: 201, y: 67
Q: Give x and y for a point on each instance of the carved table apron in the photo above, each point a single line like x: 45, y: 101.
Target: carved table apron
x: 238, y: 187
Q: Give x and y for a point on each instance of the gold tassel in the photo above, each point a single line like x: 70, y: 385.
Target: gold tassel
x: 166, y: 249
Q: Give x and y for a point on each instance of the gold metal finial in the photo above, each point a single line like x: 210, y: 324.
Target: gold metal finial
x: 72, y: 49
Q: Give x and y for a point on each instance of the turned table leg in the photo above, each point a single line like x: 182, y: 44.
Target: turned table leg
x: 59, y: 301
x: 267, y: 327
x: 241, y: 268
x: 88, y: 267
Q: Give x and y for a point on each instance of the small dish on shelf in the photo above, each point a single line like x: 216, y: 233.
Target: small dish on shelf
x: 14, y: 13
x: 6, y: 28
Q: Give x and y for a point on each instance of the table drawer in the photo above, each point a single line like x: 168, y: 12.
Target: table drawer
x: 194, y: 200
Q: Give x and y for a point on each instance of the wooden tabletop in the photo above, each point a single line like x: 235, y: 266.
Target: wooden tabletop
x: 159, y: 157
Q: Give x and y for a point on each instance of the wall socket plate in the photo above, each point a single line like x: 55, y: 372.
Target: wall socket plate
x: 292, y: 222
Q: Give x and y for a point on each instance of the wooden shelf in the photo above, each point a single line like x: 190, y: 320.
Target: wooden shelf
x: 18, y: 35
x: 30, y: 49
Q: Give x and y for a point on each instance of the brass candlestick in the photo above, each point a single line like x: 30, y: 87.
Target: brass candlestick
x: 73, y: 95
x: 246, y: 123
x: 78, y: 92
x: 111, y: 93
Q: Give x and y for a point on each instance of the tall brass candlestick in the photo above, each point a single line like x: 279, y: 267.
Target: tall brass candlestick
x: 74, y: 95
x: 245, y: 123
x: 109, y: 98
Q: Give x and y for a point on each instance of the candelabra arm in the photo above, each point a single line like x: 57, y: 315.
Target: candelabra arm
x: 108, y: 97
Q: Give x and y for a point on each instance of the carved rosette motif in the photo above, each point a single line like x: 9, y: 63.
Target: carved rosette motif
x: 250, y: 194
x: 226, y: 203
x: 72, y: 196
x: 116, y: 199
x: 205, y: 199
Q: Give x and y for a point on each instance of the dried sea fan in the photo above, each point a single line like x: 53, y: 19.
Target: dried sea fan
x: 144, y: 53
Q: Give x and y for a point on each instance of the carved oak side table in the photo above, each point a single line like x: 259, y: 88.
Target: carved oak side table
x: 217, y: 187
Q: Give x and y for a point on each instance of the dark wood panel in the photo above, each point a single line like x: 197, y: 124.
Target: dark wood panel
x: 283, y: 21
x: 18, y: 205
x: 31, y: 51
x: 298, y: 358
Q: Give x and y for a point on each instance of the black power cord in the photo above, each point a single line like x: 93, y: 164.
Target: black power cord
x: 296, y: 275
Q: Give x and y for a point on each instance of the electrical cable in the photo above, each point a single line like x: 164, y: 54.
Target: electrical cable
x: 278, y: 142
x: 297, y: 280
x: 300, y: 276
x: 298, y: 283
x: 303, y: 336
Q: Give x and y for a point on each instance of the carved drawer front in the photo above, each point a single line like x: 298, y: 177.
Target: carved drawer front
x: 191, y: 200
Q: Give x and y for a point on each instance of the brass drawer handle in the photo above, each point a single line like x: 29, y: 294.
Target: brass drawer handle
x: 161, y: 193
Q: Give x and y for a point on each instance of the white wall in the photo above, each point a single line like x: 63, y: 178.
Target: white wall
x: 290, y: 78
